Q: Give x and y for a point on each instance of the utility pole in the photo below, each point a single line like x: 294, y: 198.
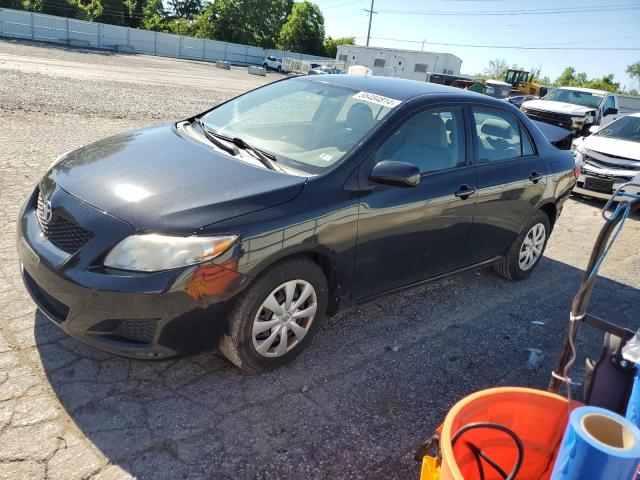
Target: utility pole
x: 371, y: 12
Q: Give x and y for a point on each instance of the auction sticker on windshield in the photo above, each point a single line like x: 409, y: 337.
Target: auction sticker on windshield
x: 377, y: 99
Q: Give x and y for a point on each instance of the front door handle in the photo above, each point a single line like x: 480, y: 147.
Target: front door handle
x: 465, y: 191
x: 535, y: 177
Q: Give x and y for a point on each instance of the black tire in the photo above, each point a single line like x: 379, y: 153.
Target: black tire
x: 279, y: 69
x: 509, y: 267
x: 265, y: 66
x: 237, y: 343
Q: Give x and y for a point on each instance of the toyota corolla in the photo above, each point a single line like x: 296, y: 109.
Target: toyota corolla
x: 242, y: 228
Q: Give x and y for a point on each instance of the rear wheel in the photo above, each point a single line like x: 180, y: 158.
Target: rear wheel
x: 277, y: 316
x: 527, y: 250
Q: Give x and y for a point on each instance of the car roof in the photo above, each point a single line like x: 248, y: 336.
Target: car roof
x: 396, y: 88
x: 586, y: 90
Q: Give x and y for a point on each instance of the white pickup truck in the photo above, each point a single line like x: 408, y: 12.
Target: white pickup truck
x: 578, y: 109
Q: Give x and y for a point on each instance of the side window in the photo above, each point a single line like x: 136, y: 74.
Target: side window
x: 433, y: 140
x: 499, y: 136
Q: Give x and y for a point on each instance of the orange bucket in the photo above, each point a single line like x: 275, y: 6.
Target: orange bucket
x: 537, y: 417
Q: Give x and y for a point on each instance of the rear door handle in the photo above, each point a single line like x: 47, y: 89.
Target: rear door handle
x: 465, y: 191
x: 535, y: 177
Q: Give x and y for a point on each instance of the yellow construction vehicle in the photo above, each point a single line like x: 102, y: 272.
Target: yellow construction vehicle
x: 522, y: 83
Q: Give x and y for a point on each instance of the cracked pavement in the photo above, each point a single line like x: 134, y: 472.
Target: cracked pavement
x: 373, y: 385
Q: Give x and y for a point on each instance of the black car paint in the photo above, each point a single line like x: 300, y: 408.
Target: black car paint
x: 368, y: 238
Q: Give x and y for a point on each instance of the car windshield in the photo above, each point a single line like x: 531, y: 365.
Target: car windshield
x: 625, y: 128
x: 308, y: 126
x: 576, y: 97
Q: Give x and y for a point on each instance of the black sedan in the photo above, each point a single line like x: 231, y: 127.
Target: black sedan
x: 242, y: 228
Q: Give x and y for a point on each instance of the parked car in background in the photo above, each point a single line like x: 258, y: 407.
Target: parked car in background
x: 609, y: 158
x: 272, y: 63
x: 244, y: 226
x: 518, y: 100
x: 576, y: 109
x: 325, y: 70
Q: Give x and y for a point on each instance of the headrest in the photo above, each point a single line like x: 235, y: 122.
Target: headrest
x: 359, y: 117
x: 428, y: 130
x: 497, y: 128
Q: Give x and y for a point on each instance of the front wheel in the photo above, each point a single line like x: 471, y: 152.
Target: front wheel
x: 276, y: 316
x: 527, y: 250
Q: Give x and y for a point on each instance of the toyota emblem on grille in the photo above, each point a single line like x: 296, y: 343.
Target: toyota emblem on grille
x: 47, y: 212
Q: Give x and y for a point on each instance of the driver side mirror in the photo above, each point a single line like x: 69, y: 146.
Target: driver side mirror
x: 399, y: 174
x: 610, y: 111
x: 594, y: 129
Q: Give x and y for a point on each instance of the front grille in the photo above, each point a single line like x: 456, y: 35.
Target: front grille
x: 138, y: 330
x: 51, y: 306
x: 558, y: 119
x: 141, y: 330
x: 615, y: 178
x: 61, y: 232
x: 603, y: 164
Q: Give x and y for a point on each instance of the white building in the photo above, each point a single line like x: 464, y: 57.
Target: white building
x: 391, y: 62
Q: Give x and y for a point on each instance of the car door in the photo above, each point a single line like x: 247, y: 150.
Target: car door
x: 511, y: 179
x: 408, y: 234
x: 609, y: 111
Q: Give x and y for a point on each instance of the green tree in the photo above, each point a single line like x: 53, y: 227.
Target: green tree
x: 60, y: 8
x: 633, y: 71
x: 14, y: 4
x: 304, y: 30
x: 252, y: 22
x: 155, y: 17
x: 569, y: 78
x: 187, y: 9
x: 331, y: 45
x: 605, y: 83
x: 495, y: 69
x: 134, y: 12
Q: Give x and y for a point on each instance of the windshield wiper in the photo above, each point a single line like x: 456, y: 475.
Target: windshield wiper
x: 267, y: 159
x: 214, y: 138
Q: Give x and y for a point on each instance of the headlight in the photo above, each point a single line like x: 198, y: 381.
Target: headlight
x: 577, y: 122
x: 154, y: 252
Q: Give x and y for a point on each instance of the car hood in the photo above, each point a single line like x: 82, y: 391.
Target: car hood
x: 557, y: 107
x: 155, y: 179
x: 613, y: 147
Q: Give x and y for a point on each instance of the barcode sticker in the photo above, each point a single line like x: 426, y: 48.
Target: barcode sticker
x: 377, y: 99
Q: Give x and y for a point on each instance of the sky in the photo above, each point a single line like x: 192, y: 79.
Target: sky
x: 585, y: 24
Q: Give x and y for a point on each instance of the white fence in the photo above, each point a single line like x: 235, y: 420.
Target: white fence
x: 48, y: 28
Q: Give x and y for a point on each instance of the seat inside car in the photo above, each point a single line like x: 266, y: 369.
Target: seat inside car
x: 498, y: 140
x: 426, y: 144
x: 359, y: 120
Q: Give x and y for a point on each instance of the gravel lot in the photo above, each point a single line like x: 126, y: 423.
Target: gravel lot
x: 373, y: 385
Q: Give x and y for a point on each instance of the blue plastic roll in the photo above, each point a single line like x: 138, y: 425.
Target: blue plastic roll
x: 598, y: 445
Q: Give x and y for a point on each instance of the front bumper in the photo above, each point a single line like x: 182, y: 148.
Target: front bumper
x: 580, y: 189
x: 154, y: 315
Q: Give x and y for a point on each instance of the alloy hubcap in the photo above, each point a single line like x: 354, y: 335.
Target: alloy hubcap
x: 284, y: 318
x: 531, y: 248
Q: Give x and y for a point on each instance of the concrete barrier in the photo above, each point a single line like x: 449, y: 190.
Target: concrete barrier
x: 257, y: 71
x: 222, y: 64
x: 79, y: 43
x: 125, y: 49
